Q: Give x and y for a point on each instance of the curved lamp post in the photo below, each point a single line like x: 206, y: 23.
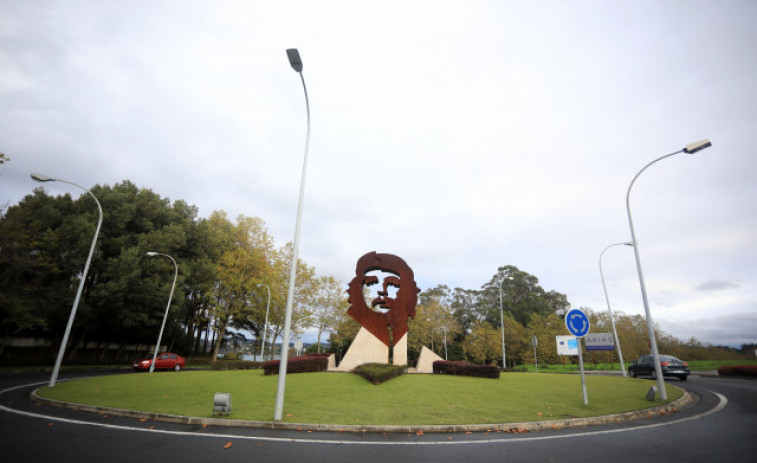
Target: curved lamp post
x: 690, y: 149
x: 609, y: 310
x: 502, y: 321
x: 296, y: 63
x: 168, y: 306
x: 69, y: 325
x: 265, y: 326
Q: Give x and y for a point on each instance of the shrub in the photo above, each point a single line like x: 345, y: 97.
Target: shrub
x: 465, y: 369
x: 738, y: 370
x: 377, y: 373
x: 304, y: 364
x: 231, y: 356
x: 518, y: 369
x: 235, y: 365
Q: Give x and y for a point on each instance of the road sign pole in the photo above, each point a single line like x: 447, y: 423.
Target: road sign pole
x: 583, y: 378
x: 578, y: 324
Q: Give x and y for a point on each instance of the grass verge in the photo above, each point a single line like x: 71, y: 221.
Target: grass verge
x: 340, y: 398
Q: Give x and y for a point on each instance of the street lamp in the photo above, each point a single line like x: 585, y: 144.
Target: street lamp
x: 69, y: 325
x: 691, y: 148
x: 609, y: 310
x: 502, y: 320
x: 445, y: 342
x: 265, y: 326
x: 296, y: 63
x: 165, y: 316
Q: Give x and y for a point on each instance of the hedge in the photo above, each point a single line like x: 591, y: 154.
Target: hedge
x: 465, y: 369
x: 235, y: 365
x: 303, y: 364
x: 738, y: 370
x: 377, y: 373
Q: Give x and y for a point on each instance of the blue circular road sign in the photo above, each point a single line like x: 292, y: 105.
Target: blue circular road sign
x: 577, y: 323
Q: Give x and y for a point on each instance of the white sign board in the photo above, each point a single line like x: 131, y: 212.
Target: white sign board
x: 567, y: 345
x: 599, y: 341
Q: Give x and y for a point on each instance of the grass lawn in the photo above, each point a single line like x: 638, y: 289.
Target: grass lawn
x: 343, y: 398
x: 694, y: 365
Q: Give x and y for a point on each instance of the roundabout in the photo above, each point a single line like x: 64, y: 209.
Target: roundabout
x: 35, y: 431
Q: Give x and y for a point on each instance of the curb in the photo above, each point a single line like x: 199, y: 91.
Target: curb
x: 687, y: 400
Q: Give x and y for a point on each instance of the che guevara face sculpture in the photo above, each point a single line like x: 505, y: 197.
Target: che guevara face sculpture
x: 385, y: 312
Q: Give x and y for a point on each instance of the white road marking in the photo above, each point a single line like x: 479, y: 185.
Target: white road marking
x: 722, y: 402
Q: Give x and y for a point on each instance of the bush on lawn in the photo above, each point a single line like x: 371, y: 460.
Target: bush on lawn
x: 738, y: 370
x: 303, y: 364
x: 235, y: 365
x: 377, y: 373
x: 465, y: 369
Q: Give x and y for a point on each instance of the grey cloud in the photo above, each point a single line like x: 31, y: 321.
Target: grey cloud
x: 716, y: 285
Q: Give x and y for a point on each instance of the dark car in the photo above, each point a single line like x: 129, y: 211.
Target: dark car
x: 164, y: 361
x: 669, y: 365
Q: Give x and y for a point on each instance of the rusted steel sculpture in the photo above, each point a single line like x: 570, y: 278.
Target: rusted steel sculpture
x: 386, y: 318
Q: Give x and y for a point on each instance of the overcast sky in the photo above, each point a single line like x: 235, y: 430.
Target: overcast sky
x: 461, y: 135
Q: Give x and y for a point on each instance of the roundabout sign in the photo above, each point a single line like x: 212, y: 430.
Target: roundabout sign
x: 577, y: 323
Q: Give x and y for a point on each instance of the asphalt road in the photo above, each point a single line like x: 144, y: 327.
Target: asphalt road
x: 722, y: 426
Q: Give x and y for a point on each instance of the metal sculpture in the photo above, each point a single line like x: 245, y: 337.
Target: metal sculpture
x: 386, y: 318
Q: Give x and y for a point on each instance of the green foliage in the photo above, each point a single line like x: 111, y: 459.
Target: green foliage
x: 465, y: 369
x: 233, y: 364
x: 303, y: 364
x: 483, y: 344
x: 378, y: 373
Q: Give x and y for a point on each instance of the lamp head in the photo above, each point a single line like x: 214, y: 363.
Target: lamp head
x: 692, y: 148
x: 152, y: 253
x: 42, y: 178
x: 294, y: 59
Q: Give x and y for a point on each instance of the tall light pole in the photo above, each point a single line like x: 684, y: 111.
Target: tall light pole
x: 609, y: 310
x: 690, y: 149
x: 445, y: 342
x: 296, y: 63
x: 502, y: 321
x: 69, y: 325
x: 168, y: 306
x: 265, y: 326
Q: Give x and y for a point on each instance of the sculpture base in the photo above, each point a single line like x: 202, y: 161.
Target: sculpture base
x: 367, y: 348
x: 426, y: 360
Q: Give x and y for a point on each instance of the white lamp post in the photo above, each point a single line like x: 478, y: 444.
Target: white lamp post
x: 168, y: 306
x: 691, y: 149
x: 296, y: 63
x: 609, y: 310
x: 502, y: 321
x: 445, y: 342
x: 265, y: 326
x: 69, y: 325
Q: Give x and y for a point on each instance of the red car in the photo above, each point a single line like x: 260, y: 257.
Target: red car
x: 164, y: 361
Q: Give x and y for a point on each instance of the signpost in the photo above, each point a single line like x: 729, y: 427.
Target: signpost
x: 534, y: 341
x: 599, y: 341
x: 578, y: 324
x: 567, y: 345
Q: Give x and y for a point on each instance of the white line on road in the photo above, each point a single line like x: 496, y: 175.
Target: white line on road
x: 722, y: 402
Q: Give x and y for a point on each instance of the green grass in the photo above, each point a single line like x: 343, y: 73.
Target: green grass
x: 694, y: 365
x: 340, y: 398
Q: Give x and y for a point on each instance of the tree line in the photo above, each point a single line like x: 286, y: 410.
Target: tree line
x: 226, y: 268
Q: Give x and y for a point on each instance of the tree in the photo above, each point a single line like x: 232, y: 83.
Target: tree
x: 329, y: 302
x: 483, y: 344
x: 433, y: 318
x: 243, y: 249
x: 546, y: 328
